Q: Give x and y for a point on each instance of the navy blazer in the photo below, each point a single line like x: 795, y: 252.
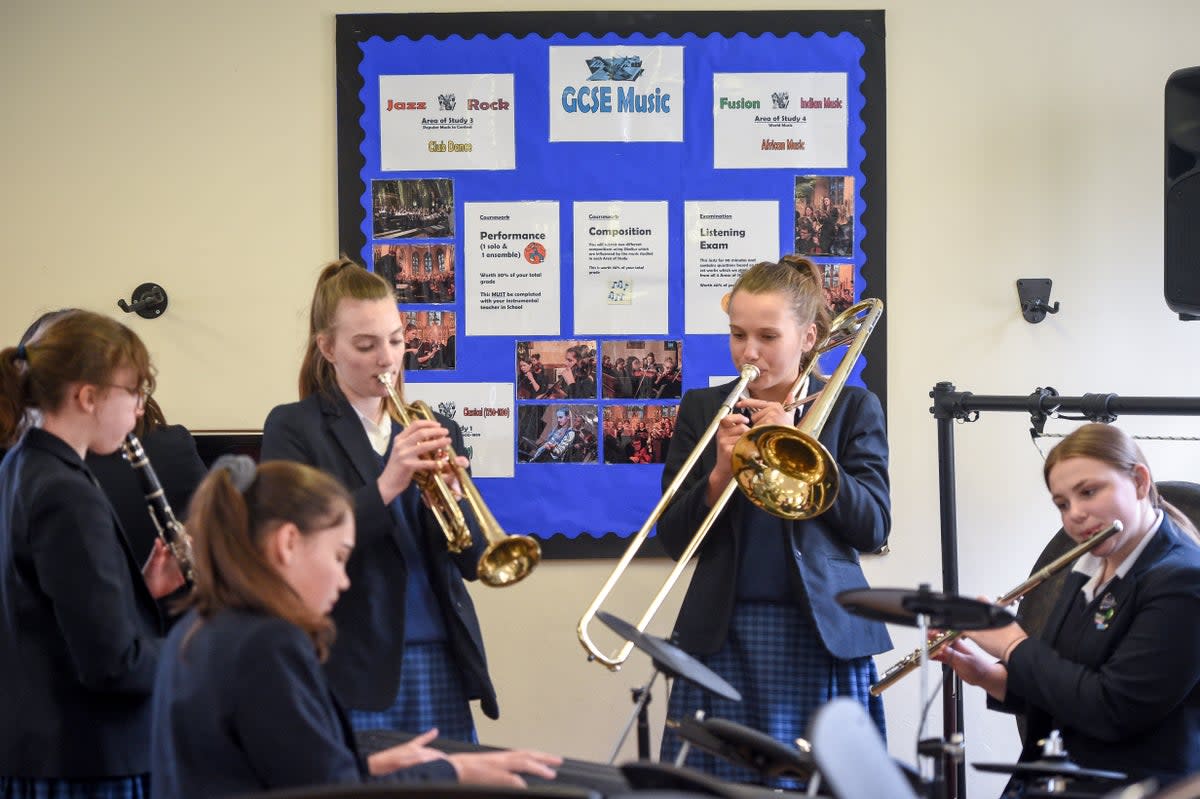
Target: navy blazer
x: 364, y: 668
x: 825, y: 549
x: 241, y: 706
x: 79, y: 630
x: 1127, y: 698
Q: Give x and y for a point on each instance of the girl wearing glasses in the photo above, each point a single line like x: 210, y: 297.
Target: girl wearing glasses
x: 79, y: 627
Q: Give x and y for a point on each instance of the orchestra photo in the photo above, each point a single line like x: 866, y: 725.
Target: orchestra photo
x: 429, y: 340
x: 824, y: 216
x: 412, y: 209
x: 638, y: 433
x: 642, y: 369
x: 556, y: 370
x: 420, y: 274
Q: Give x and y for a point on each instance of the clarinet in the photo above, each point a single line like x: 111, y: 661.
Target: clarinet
x: 170, y: 530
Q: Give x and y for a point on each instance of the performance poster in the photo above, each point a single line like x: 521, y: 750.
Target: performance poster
x: 560, y: 214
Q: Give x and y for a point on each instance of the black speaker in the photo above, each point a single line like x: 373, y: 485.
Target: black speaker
x: 1181, y: 220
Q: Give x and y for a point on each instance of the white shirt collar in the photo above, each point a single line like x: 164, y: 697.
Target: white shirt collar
x: 1093, y: 566
x: 380, y: 435
x: 801, y: 394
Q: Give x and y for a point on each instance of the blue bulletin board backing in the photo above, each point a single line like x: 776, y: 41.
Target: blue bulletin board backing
x: 588, y: 509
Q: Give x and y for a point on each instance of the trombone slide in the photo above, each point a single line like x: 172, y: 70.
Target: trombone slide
x: 933, y: 647
x: 748, y: 374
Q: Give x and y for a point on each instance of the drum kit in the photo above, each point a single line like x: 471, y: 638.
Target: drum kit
x: 1053, y: 775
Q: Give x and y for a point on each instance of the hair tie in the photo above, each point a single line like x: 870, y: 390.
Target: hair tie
x: 21, y: 354
x: 242, y: 470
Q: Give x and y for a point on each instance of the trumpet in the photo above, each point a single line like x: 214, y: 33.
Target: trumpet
x: 784, y: 470
x: 170, y: 530
x: 508, y: 559
x: 936, y: 645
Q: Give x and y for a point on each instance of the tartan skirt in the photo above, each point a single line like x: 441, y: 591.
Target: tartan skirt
x: 431, y: 694
x: 775, y: 659
x: 136, y: 787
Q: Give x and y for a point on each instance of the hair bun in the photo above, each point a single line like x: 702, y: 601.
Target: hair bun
x: 242, y: 470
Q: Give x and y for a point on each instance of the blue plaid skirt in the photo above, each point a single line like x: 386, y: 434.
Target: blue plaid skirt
x: 431, y: 694
x: 137, y: 787
x: 775, y: 659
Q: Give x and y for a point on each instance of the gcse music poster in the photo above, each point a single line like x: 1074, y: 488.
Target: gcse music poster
x: 560, y: 201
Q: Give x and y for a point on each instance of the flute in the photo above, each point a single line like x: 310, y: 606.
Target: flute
x: 170, y: 530
x: 936, y: 645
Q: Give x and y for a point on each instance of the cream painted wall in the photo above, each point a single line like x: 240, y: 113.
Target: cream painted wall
x: 193, y: 144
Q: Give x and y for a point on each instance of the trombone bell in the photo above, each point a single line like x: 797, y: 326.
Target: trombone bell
x: 785, y: 471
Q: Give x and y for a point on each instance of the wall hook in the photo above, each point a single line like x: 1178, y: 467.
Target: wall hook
x: 149, y: 301
x: 1034, y: 294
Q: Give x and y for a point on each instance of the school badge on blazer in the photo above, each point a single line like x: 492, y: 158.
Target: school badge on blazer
x: 1104, y: 614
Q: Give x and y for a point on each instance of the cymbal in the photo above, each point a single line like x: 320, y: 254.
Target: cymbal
x: 745, y: 747
x: 670, y: 659
x: 1051, y: 767
x: 904, y: 606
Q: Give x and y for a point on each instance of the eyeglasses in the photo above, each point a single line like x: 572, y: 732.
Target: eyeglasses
x: 139, y: 392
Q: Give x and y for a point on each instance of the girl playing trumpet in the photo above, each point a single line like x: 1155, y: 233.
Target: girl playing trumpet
x: 410, y: 653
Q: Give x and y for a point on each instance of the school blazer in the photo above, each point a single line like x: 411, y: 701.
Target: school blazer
x: 825, y: 549
x: 1127, y: 698
x: 241, y: 706
x: 323, y: 430
x: 79, y: 630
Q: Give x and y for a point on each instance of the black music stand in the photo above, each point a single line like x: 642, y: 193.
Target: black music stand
x: 670, y: 660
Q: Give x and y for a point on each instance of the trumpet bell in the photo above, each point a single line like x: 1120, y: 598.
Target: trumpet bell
x: 509, y: 561
x: 785, y: 471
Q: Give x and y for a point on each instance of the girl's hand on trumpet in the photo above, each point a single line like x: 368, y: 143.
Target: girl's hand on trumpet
x: 412, y: 452
x: 450, y: 474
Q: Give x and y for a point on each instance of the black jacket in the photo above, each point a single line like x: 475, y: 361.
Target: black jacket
x: 324, y: 431
x: 241, y: 706
x: 1127, y: 696
x: 79, y: 630
x: 825, y: 549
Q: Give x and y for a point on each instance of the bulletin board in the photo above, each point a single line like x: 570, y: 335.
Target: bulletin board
x: 560, y: 201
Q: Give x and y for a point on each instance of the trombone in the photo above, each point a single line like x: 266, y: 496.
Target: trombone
x: 508, y: 559
x: 782, y: 469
